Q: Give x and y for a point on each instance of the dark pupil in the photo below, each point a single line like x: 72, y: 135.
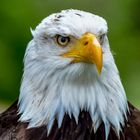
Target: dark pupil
x: 63, y: 39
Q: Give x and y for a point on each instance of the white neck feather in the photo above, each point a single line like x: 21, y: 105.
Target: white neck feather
x: 49, y: 94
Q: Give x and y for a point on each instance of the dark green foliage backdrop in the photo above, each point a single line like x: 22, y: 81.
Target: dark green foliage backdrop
x: 16, y: 18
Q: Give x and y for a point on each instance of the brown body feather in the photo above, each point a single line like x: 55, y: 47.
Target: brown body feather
x: 12, y: 129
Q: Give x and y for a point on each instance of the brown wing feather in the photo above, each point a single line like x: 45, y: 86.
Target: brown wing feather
x: 132, y: 128
x: 11, y: 129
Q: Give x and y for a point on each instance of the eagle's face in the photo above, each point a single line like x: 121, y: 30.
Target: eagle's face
x: 72, y: 40
x: 69, y: 68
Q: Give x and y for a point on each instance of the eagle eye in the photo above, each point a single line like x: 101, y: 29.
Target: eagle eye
x: 101, y: 38
x: 62, y: 40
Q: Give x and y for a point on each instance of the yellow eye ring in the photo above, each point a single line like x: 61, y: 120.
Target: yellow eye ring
x: 62, y: 40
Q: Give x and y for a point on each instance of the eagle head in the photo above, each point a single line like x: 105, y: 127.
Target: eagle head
x: 68, y: 67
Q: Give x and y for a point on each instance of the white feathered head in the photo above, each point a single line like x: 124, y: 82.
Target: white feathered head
x: 68, y: 68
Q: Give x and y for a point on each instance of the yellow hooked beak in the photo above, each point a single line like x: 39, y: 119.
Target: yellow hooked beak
x: 87, y: 49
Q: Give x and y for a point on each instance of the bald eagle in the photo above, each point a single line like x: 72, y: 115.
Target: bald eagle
x: 71, y: 89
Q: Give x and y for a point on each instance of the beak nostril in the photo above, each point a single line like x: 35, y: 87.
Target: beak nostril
x: 86, y: 43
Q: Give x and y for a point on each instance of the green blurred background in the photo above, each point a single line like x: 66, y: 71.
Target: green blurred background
x: 16, y: 18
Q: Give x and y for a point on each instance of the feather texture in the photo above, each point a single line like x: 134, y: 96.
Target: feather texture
x: 12, y: 129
